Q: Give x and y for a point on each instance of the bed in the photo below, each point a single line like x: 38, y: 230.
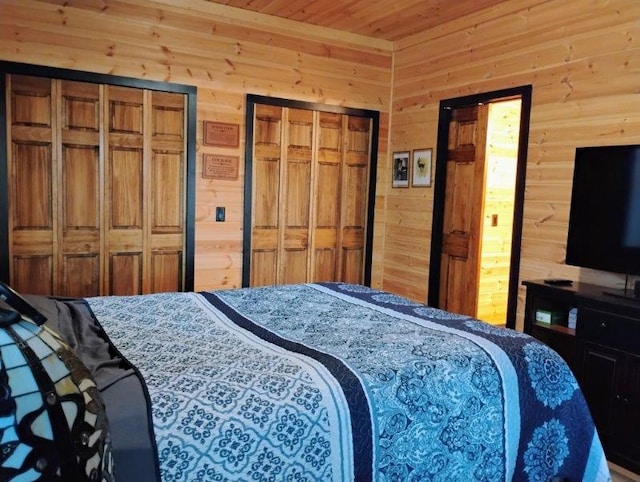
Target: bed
x: 324, y: 381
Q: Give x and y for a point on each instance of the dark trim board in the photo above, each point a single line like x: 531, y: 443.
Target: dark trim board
x: 82, y: 76
x: 252, y: 100
x: 524, y: 93
x: 66, y: 74
x: 4, y: 185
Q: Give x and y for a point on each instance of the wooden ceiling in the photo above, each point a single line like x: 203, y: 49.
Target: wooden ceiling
x: 383, y: 19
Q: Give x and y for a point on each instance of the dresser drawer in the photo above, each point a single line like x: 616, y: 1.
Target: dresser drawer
x: 609, y: 329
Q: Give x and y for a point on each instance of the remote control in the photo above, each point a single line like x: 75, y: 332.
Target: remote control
x: 558, y: 281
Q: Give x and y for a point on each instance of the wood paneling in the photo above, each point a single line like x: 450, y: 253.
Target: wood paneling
x: 103, y: 177
x: 373, y: 18
x: 226, y: 56
x: 310, y: 185
x: 580, y: 57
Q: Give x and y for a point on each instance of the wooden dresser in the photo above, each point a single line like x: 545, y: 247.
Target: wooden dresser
x: 603, y: 351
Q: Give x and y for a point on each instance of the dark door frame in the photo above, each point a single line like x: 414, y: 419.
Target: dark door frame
x: 67, y: 74
x: 524, y: 93
x: 374, y: 115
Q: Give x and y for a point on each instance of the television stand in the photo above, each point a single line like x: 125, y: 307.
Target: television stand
x: 627, y: 294
x: 603, y: 351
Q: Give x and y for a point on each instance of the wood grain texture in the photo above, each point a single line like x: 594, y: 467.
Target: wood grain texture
x: 82, y: 195
x: 226, y: 56
x: 580, y: 57
x: 373, y: 18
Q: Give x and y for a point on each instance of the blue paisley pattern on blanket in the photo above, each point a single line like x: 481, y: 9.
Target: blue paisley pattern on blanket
x: 341, y: 382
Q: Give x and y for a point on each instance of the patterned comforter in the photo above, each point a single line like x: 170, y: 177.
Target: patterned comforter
x: 341, y: 382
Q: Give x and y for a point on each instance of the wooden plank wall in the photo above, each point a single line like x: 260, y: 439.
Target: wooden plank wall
x: 226, y: 53
x: 582, y: 58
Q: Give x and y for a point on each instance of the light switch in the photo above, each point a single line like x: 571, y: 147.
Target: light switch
x: 219, y: 214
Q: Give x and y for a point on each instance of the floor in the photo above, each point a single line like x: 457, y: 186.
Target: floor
x: 618, y: 474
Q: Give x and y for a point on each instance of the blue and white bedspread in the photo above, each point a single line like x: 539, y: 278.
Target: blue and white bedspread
x: 340, y: 382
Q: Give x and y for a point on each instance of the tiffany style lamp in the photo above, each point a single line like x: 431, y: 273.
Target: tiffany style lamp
x: 53, y: 425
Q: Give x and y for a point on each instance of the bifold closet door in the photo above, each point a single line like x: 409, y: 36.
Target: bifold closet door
x: 96, y: 188
x: 144, y: 191
x: 340, y: 198
x: 310, y: 171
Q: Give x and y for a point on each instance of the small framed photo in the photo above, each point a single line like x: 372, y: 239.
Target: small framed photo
x: 421, y: 168
x: 400, y: 166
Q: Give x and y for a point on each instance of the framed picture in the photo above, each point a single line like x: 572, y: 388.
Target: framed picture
x: 400, y: 166
x: 421, y: 168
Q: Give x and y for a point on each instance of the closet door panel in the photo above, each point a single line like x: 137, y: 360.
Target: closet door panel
x: 295, y: 266
x: 32, y: 182
x: 33, y: 274
x: 295, y: 241
x: 265, y: 262
x: 166, y: 270
x: 167, y: 202
x: 124, y: 237
x: 330, y: 134
x: 126, y: 273
x: 355, y: 211
x: 266, y: 193
x: 30, y: 101
x: 294, y: 208
x: 126, y: 111
x: 97, y: 179
x: 80, y: 188
x: 167, y: 175
x: 31, y: 172
x: 327, y: 196
x: 167, y: 214
x: 354, y: 222
x: 124, y: 190
x: 265, y: 238
x: 310, y: 185
x: 168, y: 118
x: 325, y: 264
x: 80, y: 233
x: 298, y: 193
x: 354, y: 194
x: 353, y: 260
x: 81, y: 274
x: 80, y: 108
x: 79, y: 213
x: 327, y: 218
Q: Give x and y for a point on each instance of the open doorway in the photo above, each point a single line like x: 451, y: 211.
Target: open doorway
x: 472, y: 217
x: 501, y: 159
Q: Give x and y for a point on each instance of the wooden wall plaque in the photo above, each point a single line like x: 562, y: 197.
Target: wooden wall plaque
x: 220, y: 167
x: 221, y: 134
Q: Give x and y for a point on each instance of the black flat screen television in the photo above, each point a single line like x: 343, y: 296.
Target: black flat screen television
x: 604, y: 221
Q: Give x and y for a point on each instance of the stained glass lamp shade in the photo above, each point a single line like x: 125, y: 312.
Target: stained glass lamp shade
x: 53, y: 425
